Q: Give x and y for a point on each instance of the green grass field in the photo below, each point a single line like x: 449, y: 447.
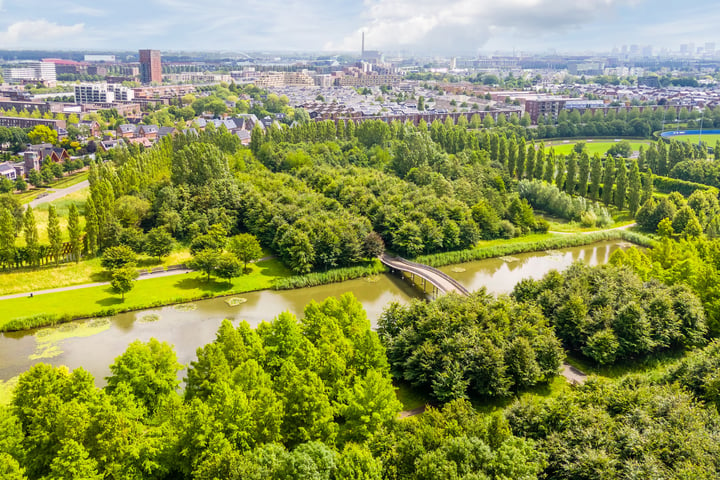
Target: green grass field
x: 709, y: 139
x: 100, y: 301
x: 591, y: 146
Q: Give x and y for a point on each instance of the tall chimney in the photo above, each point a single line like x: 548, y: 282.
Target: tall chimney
x: 362, y: 50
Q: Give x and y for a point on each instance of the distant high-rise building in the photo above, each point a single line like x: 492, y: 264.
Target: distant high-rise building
x: 710, y: 48
x: 33, y: 72
x: 150, y: 66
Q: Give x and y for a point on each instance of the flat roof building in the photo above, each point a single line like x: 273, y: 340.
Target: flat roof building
x: 150, y: 66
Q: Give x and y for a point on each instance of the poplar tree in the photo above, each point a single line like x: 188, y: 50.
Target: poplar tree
x: 494, y: 147
x: 91, y: 226
x: 595, y: 177
x: 635, y: 187
x: 584, y: 173
x: 571, y: 179
x: 647, y: 186
x: 54, y: 234
x: 513, y: 154
x: 621, y: 184
x: 530, y: 161
x: 521, y: 158
x: 31, y: 236
x: 539, y: 162
x: 560, y: 174
x: 608, y: 178
x: 7, y: 236
x: 502, y: 150
x: 75, y: 232
x: 549, y: 167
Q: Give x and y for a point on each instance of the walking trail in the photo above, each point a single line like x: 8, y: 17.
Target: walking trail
x: 59, y: 193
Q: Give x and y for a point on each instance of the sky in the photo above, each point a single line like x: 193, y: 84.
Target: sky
x: 434, y: 27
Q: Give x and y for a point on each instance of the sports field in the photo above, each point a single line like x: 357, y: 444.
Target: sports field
x: 710, y: 137
x: 591, y: 146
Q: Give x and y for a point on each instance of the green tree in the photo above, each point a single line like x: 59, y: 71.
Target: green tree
x: 308, y: 412
x: 608, y: 180
x: 31, y: 236
x: 149, y: 369
x: 228, y: 266
x: 34, y: 178
x: 635, y: 187
x: 43, y: 134
x: 7, y: 237
x: 583, y: 174
x: 621, y: 184
x: 20, y: 184
x: 73, y: 461
x: 560, y: 174
x: 519, y: 166
x: 595, y: 177
x: 647, y: 186
x: 123, y: 279
x: 571, y: 179
x: 539, y: 162
x: 118, y: 257
x: 549, y: 167
x: 54, y: 234
x: 159, y: 243
x: 530, y: 162
x: 75, y: 232
x: 91, y: 226
x: 205, y: 261
x: 245, y: 247
x: 369, y: 404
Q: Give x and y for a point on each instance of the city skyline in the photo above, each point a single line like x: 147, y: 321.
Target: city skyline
x: 460, y: 27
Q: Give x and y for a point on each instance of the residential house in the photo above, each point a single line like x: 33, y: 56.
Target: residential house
x: 107, y: 145
x: 91, y: 128
x: 165, y: 131
x: 127, y: 130
x: 150, y: 132
x: 47, y: 150
x: 8, y: 171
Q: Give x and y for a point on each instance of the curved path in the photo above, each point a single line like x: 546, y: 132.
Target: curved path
x: 624, y: 227
x: 443, y: 282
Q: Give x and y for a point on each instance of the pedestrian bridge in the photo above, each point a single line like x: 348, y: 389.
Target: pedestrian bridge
x: 440, y: 282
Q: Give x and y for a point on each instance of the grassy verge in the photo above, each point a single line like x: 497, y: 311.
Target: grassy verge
x: 531, y: 244
x: 332, y: 276
x: 49, y: 309
x: 69, y: 274
x: 70, y: 180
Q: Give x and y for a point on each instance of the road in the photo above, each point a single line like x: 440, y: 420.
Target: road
x: 59, y: 193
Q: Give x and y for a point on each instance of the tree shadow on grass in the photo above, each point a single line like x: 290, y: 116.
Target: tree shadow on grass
x: 201, y: 283
x: 103, y: 276
x: 110, y: 301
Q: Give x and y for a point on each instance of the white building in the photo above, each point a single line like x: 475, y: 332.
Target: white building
x: 100, y: 58
x: 102, y: 93
x: 33, y: 72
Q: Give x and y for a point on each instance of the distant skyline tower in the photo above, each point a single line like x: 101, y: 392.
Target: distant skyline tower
x: 362, y: 47
x: 150, y: 66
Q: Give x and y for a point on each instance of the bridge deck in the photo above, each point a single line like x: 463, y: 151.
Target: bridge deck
x: 443, y: 282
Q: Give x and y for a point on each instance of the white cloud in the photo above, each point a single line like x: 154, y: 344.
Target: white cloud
x: 466, y: 25
x: 37, y: 32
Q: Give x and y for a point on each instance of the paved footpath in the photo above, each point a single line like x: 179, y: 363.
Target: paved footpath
x: 165, y: 273
x: 96, y: 284
x: 59, y: 193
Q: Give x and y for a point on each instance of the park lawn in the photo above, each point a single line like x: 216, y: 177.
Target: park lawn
x: 69, y: 274
x: 70, y: 180
x: 101, y: 301
x: 534, y: 237
x: 593, y: 147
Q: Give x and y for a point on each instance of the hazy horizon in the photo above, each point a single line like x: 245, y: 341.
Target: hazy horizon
x: 459, y: 27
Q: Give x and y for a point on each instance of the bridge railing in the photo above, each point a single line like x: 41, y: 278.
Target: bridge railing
x: 422, y: 267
